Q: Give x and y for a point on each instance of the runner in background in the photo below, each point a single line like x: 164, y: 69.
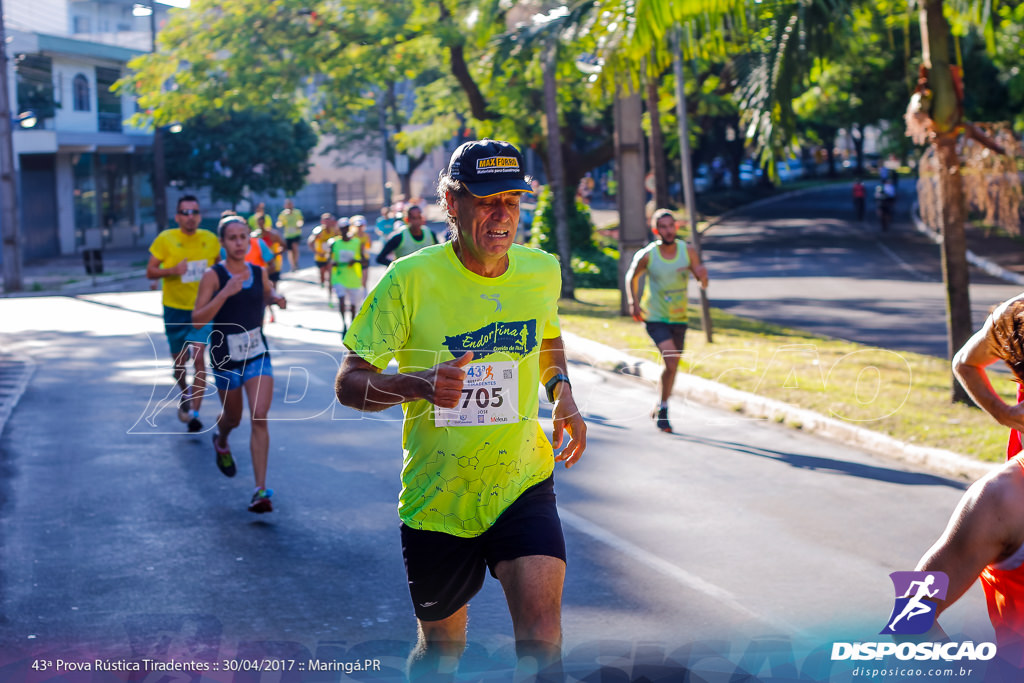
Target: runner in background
x: 180, y: 256
x: 346, y: 253
x: 668, y: 262
x: 409, y: 238
x: 318, y: 243
x: 290, y: 221
x: 232, y: 295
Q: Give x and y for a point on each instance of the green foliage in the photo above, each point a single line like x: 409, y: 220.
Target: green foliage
x: 247, y: 150
x: 342, y: 66
x: 593, y: 265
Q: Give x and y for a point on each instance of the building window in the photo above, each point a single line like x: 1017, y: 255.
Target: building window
x: 34, y: 76
x: 81, y: 25
x: 80, y: 93
x: 85, y: 205
x: 108, y: 104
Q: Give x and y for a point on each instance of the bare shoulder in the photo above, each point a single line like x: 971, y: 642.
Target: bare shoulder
x: 996, y: 501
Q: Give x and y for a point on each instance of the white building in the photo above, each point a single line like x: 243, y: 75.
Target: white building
x: 84, y: 173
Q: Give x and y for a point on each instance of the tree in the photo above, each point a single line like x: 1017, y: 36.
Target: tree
x: 785, y: 39
x: 935, y: 116
x: 220, y: 154
x: 340, y: 66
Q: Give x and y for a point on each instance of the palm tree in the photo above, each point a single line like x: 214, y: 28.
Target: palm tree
x: 785, y: 38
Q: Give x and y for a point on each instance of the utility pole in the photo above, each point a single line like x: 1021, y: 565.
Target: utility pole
x: 8, y: 192
x: 684, y: 161
x: 159, y: 168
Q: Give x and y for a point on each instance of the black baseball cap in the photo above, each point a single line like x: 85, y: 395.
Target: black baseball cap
x: 488, y: 167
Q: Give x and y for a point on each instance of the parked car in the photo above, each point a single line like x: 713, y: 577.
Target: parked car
x: 789, y: 170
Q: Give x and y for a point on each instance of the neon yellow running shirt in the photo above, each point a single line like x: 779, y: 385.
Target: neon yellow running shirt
x: 291, y: 223
x: 664, y: 298
x: 347, y: 269
x: 428, y: 308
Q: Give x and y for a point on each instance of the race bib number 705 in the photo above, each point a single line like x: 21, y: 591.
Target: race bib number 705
x: 490, y: 395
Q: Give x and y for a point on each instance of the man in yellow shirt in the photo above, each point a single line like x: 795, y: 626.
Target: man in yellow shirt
x: 290, y: 221
x: 473, y: 325
x: 180, y: 256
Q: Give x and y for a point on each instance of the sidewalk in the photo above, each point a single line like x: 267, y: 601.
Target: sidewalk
x: 998, y: 255
x: 67, y: 274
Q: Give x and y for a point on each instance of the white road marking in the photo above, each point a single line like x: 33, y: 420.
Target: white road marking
x: 903, y: 264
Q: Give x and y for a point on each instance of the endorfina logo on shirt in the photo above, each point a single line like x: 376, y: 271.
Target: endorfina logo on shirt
x: 913, y: 611
x: 516, y: 338
x: 497, y: 164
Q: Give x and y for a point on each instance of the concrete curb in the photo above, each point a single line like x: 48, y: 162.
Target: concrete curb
x: 707, y: 392
x: 15, y: 372
x: 87, y: 283
x: 993, y: 269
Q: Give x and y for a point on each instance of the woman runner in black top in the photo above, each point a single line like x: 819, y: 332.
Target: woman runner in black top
x: 232, y: 294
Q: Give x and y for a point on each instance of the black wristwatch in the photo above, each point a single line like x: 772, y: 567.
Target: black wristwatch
x: 549, y: 386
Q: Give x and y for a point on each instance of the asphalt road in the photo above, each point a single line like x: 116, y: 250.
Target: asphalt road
x: 120, y: 539
x: 805, y: 262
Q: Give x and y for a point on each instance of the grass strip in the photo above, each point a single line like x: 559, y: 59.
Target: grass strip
x: 904, y: 395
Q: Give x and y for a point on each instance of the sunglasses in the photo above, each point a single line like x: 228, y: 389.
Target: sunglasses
x: 189, y: 212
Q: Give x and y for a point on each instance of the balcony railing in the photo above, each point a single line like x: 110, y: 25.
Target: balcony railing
x: 110, y: 122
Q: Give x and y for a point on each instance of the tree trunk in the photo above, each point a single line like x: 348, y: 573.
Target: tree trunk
x: 946, y: 119
x: 656, y: 149
x: 830, y: 154
x: 858, y: 147
x: 955, y: 274
x: 557, y: 170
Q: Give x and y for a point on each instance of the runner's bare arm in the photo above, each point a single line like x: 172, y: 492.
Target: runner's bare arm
x: 636, y: 270
x: 975, y: 536
x: 155, y: 272
x: 969, y: 366
x: 270, y: 295
x: 362, y: 386
x: 564, y: 415
x: 696, y: 267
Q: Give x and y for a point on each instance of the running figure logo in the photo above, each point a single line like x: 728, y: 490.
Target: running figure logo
x: 913, y: 612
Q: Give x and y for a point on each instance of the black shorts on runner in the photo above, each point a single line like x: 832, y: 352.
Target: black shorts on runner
x: 661, y: 332
x: 274, y: 277
x: 446, y: 571
x: 290, y: 242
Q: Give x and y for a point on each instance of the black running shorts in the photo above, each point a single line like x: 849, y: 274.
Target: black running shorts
x: 661, y: 332
x: 445, y: 571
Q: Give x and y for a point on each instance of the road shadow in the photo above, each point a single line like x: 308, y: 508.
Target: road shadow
x: 833, y: 465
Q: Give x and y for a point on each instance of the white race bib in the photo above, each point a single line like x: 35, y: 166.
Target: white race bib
x: 344, y: 256
x: 195, y: 271
x: 245, y: 345
x: 490, y: 395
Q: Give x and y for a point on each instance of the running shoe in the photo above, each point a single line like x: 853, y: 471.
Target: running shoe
x: 260, y: 502
x: 225, y: 463
x: 194, y: 425
x: 660, y: 416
